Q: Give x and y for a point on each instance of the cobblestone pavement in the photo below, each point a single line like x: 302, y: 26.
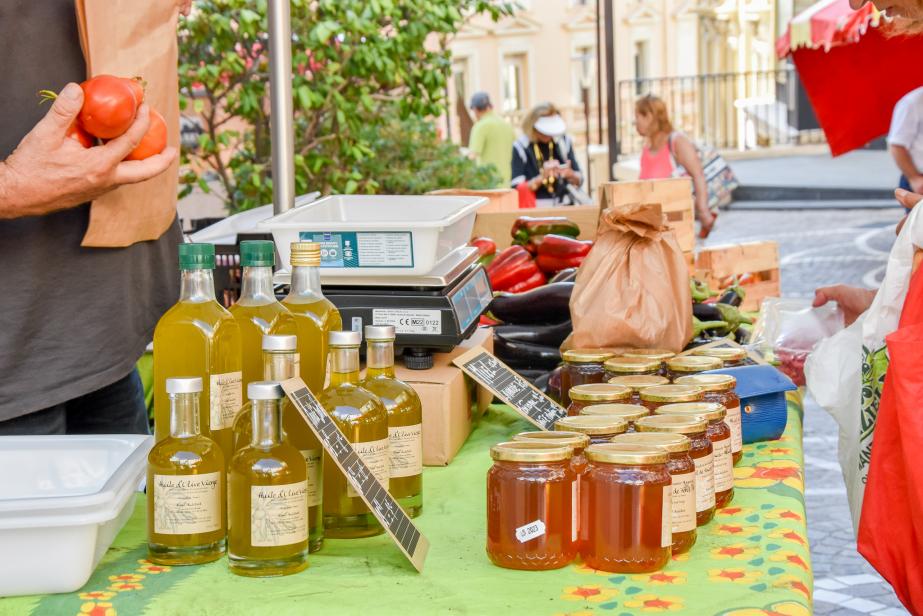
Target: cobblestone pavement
x: 820, y: 248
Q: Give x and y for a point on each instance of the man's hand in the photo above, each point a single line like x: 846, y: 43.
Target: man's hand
x: 50, y: 171
x: 853, y: 301
x: 916, y: 183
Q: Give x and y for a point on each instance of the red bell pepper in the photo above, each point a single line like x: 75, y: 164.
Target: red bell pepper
x: 552, y: 265
x: 562, y: 246
x: 506, y: 255
x: 517, y: 268
x: 485, y: 246
x: 536, y: 280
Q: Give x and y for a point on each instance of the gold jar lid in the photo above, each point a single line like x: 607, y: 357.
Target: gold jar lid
x: 671, y: 443
x: 677, y: 424
x: 709, y: 382
x: 522, y: 451
x: 305, y: 254
x: 632, y: 364
x: 694, y: 363
x: 592, y: 425
x: 623, y: 453
x: 587, y: 356
x: 637, y: 382
x: 723, y: 353
x: 599, y: 392
x: 658, y: 354
x: 710, y: 411
x: 672, y: 393
x: 576, y: 440
x: 628, y: 412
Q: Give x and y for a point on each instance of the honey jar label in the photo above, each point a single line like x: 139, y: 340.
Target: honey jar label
x: 666, y: 518
x: 530, y: 531
x: 724, y: 466
x: 187, y: 504
x: 278, y: 515
x: 704, y: 482
x: 224, y: 400
x: 375, y: 456
x: 312, y: 458
x: 684, y: 505
x: 405, y: 448
x: 732, y: 419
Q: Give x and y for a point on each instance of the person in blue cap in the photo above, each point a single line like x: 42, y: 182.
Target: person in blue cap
x: 491, y: 137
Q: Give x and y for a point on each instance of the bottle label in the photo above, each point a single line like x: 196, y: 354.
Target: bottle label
x: 375, y: 456
x: 704, y: 482
x: 666, y: 518
x: 732, y: 419
x: 724, y: 466
x: 312, y: 458
x: 406, y: 450
x: 683, y: 502
x: 225, y: 399
x: 530, y: 531
x: 187, y: 504
x: 278, y: 515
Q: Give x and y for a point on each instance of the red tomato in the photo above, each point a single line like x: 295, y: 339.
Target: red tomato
x: 137, y: 87
x: 154, y: 140
x: 109, y: 106
x: 78, y: 134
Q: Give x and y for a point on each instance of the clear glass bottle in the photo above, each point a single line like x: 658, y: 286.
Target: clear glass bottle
x: 186, y: 522
x: 361, y: 416
x: 267, y: 481
x: 280, y: 363
x: 258, y: 312
x: 199, y: 337
x: 405, y: 418
x: 315, y: 315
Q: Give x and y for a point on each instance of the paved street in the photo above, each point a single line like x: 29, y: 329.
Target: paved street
x: 821, y: 247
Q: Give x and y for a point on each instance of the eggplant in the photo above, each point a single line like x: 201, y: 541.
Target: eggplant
x: 541, y: 383
x: 732, y: 297
x: 545, y: 305
x: 706, y: 312
x: 525, y: 355
x: 565, y: 275
x: 548, y: 335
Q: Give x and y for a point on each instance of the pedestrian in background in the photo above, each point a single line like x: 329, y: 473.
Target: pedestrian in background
x: 491, y: 137
x: 544, y: 162
x: 905, y: 140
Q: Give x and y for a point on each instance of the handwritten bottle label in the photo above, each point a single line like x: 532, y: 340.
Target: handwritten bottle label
x: 187, y: 504
x: 406, y: 450
x: 704, y: 482
x: 530, y: 531
x: 724, y: 466
x: 666, y: 518
x: 278, y: 515
x: 683, y: 502
x: 312, y: 458
x: 375, y: 456
x: 732, y: 419
x: 224, y: 399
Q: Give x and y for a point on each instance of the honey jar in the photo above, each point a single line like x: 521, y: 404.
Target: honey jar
x: 731, y: 356
x: 684, y: 365
x: 631, y: 366
x: 657, y: 395
x: 582, y: 366
x: 720, y: 388
x: 600, y: 428
x: 639, y: 382
x: 596, y: 393
x: 628, y: 412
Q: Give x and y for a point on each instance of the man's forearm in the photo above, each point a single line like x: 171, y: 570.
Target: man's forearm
x: 904, y: 161
x: 7, y: 205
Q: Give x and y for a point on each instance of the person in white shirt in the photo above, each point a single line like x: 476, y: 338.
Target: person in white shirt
x: 906, y: 140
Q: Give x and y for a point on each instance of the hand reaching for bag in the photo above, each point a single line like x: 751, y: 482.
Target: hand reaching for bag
x: 853, y: 301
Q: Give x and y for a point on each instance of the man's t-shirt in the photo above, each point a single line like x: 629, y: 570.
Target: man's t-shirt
x: 492, y: 140
x: 72, y: 319
x: 907, y: 126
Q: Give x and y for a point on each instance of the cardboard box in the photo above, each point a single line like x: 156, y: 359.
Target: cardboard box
x: 497, y: 225
x: 718, y: 264
x: 498, y: 199
x: 451, y: 401
x: 673, y: 195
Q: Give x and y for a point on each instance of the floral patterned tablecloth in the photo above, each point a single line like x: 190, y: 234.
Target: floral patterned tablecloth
x: 752, y: 560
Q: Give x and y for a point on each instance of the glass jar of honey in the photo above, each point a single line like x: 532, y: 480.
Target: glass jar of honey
x: 684, y: 365
x: 720, y: 388
x: 531, y: 506
x: 661, y: 355
x: 682, y: 477
x: 629, y: 412
x: 631, y: 366
x: 639, y: 382
x: 657, y: 395
x: 596, y: 393
x: 720, y: 436
x: 701, y: 451
x: 731, y: 356
x: 600, y: 428
x: 582, y: 366
x: 629, y: 503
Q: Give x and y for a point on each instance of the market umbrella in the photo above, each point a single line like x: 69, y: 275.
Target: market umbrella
x: 852, y: 70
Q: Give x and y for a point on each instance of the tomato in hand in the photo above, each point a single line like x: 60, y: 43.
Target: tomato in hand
x: 78, y: 134
x: 154, y: 140
x: 137, y: 87
x: 109, y: 106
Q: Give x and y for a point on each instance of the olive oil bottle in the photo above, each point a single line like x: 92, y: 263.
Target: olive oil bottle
x: 268, y: 521
x: 315, y: 315
x: 360, y: 415
x: 199, y: 337
x: 185, y: 486
x: 257, y: 311
x: 405, y: 418
x: 280, y: 363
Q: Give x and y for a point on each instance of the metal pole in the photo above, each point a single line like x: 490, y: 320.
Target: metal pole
x: 599, y: 78
x: 281, y: 113
x: 611, y: 94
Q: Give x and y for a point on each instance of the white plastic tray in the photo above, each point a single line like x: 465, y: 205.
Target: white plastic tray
x: 377, y: 235
x: 63, y: 499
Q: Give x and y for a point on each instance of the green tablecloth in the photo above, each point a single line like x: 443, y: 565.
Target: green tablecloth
x: 752, y: 559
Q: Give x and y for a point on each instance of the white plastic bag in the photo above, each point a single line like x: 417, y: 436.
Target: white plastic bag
x: 846, y: 372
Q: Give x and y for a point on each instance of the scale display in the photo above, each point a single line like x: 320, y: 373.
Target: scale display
x: 471, y: 299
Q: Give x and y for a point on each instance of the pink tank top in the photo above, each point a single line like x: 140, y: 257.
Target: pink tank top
x: 656, y: 165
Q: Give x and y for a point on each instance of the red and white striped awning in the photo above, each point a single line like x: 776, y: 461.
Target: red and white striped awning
x: 827, y: 24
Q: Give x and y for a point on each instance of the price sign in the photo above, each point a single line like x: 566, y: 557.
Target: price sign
x: 514, y: 390
x: 395, y: 521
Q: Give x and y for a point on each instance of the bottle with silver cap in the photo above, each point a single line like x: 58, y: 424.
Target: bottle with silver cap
x: 280, y: 363
x: 267, y: 483
x: 186, y: 493
x: 405, y: 418
x: 315, y: 315
x: 361, y: 416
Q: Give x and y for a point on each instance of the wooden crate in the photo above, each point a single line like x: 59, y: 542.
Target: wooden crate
x: 498, y: 199
x: 673, y: 195
x: 497, y: 225
x: 761, y: 259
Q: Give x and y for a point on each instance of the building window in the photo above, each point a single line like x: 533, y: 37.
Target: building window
x: 514, y: 82
x: 460, y: 83
x: 582, y: 67
x: 641, y: 60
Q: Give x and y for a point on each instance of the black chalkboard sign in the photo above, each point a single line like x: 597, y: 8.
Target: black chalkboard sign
x: 398, y: 524
x: 514, y: 390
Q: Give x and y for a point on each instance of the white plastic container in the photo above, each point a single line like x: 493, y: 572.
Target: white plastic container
x: 63, y: 499
x: 378, y: 235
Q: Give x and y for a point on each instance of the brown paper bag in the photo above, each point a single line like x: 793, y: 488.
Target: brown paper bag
x: 633, y: 288
x: 131, y: 38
